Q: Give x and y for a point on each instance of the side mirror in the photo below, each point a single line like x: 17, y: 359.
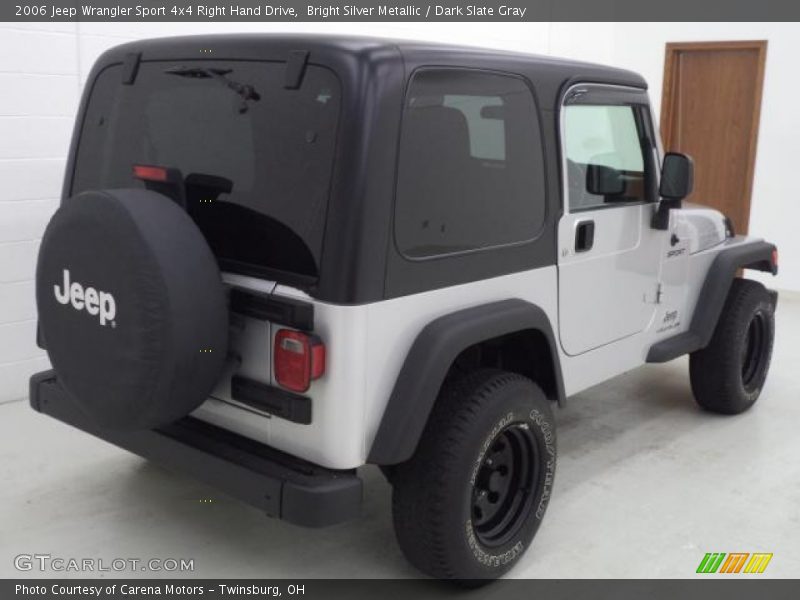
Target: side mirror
x: 677, y: 182
x: 677, y: 176
x: 604, y: 181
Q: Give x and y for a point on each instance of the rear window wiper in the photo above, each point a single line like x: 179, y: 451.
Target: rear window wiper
x: 245, y: 90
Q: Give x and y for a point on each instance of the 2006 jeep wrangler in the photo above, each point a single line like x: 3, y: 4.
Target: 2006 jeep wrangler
x: 278, y: 259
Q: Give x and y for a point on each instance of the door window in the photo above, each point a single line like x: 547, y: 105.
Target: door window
x: 605, y: 156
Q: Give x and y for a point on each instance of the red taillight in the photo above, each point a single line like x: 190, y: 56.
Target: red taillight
x: 149, y: 173
x: 299, y: 359
x: 775, y: 257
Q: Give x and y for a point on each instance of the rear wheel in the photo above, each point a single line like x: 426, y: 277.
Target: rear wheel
x: 468, y: 503
x: 727, y: 375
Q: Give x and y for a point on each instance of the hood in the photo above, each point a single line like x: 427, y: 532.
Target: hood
x: 703, y: 226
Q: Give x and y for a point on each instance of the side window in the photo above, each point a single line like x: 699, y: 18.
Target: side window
x: 487, y: 134
x: 470, y: 168
x: 605, y: 157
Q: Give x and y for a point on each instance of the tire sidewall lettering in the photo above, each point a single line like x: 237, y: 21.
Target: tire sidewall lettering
x: 487, y: 559
x: 504, y: 422
x: 550, y: 466
x: 537, y: 419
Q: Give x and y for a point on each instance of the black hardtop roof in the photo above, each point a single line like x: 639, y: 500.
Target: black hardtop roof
x: 374, y: 75
x: 326, y: 48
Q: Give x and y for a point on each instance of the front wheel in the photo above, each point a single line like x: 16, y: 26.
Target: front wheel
x: 468, y: 503
x: 727, y: 375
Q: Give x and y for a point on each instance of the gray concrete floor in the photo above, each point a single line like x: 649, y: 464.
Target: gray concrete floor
x: 646, y: 484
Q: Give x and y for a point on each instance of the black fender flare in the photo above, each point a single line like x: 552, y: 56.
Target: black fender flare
x: 431, y: 355
x: 756, y: 255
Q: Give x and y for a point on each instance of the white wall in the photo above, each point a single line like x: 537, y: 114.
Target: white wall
x: 38, y: 98
x: 43, y: 66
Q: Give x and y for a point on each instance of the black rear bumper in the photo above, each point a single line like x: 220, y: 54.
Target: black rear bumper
x: 283, y: 486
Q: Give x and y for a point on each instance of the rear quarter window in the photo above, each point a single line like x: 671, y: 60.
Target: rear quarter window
x: 470, y: 166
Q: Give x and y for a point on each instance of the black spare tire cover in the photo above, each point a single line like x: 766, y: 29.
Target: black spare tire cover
x: 132, y: 308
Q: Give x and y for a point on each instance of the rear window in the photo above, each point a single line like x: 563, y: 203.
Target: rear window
x: 471, y: 169
x: 254, y: 158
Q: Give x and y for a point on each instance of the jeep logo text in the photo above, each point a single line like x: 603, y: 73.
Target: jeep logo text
x: 88, y: 299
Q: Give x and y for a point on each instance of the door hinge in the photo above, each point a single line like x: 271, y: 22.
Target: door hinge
x: 656, y: 298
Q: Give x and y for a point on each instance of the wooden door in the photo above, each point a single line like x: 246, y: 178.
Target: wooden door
x: 710, y: 110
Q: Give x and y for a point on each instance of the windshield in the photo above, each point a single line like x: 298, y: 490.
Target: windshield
x: 253, y: 158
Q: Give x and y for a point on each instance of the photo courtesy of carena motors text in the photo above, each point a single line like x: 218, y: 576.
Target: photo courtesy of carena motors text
x: 427, y: 294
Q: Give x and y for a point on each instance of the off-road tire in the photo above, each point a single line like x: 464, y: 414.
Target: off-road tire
x: 490, y: 436
x: 727, y: 375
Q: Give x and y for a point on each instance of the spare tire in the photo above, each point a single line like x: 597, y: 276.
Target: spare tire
x: 132, y: 308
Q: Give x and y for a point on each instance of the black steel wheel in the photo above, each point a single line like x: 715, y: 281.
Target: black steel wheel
x: 468, y: 503
x: 754, y: 350
x: 728, y: 375
x: 501, y: 494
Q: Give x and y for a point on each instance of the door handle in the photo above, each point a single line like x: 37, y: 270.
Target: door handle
x: 584, y: 236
